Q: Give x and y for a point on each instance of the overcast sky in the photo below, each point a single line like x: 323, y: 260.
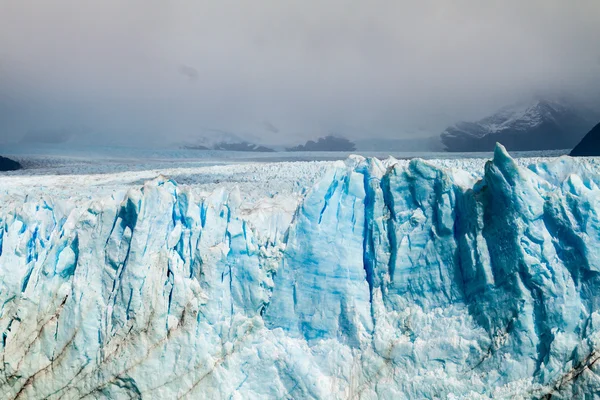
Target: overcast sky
x: 281, y: 70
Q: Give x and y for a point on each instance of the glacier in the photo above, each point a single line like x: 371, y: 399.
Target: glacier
x: 384, y: 279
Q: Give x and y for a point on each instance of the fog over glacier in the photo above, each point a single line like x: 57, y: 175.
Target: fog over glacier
x: 276, y: 71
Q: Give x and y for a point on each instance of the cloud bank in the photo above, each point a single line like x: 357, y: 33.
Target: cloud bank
x: 282, y: 71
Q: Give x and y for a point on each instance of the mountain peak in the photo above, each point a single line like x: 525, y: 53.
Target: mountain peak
x: 540, y: 124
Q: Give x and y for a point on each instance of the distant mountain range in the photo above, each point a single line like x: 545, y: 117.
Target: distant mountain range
x: 241, y: 146
x: 539, y: 125
x: 225, y: 141
x: 327, y: 143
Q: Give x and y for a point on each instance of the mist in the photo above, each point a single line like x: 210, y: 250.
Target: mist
x: 282, y: 72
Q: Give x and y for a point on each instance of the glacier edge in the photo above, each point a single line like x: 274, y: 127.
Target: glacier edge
x: 388, y: 280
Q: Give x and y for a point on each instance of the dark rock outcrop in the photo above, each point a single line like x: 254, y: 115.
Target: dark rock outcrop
x: 589, y: 145
x: 6, y: 164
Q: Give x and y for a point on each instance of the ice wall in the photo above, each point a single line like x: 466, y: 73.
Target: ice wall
x: 388, y: 281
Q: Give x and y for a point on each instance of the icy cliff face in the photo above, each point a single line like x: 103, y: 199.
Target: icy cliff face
x: 389, y: 280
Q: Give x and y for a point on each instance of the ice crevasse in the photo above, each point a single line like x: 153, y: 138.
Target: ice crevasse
x: 389, y: 280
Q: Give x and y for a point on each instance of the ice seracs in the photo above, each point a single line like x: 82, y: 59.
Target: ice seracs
x: 394, y: 279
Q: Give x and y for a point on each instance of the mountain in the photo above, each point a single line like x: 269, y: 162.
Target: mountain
x: 539, y: 125
x: 402, y: 279
x: 589, y: 145
x: 222, y: 140
x: 6, y: 164
x: 327, y: 143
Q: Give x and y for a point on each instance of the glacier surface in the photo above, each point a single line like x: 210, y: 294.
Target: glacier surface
x: 384, y: 279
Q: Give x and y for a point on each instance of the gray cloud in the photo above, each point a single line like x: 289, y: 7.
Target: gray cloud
x: 190, y: 72
x: 270, y: 127
x: 377, y: 68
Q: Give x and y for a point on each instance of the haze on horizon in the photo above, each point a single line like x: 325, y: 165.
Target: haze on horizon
x: 283, y: 72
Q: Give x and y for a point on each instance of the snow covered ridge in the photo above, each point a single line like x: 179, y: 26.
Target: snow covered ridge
x: 388, y: 280
x: 539, y: 124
